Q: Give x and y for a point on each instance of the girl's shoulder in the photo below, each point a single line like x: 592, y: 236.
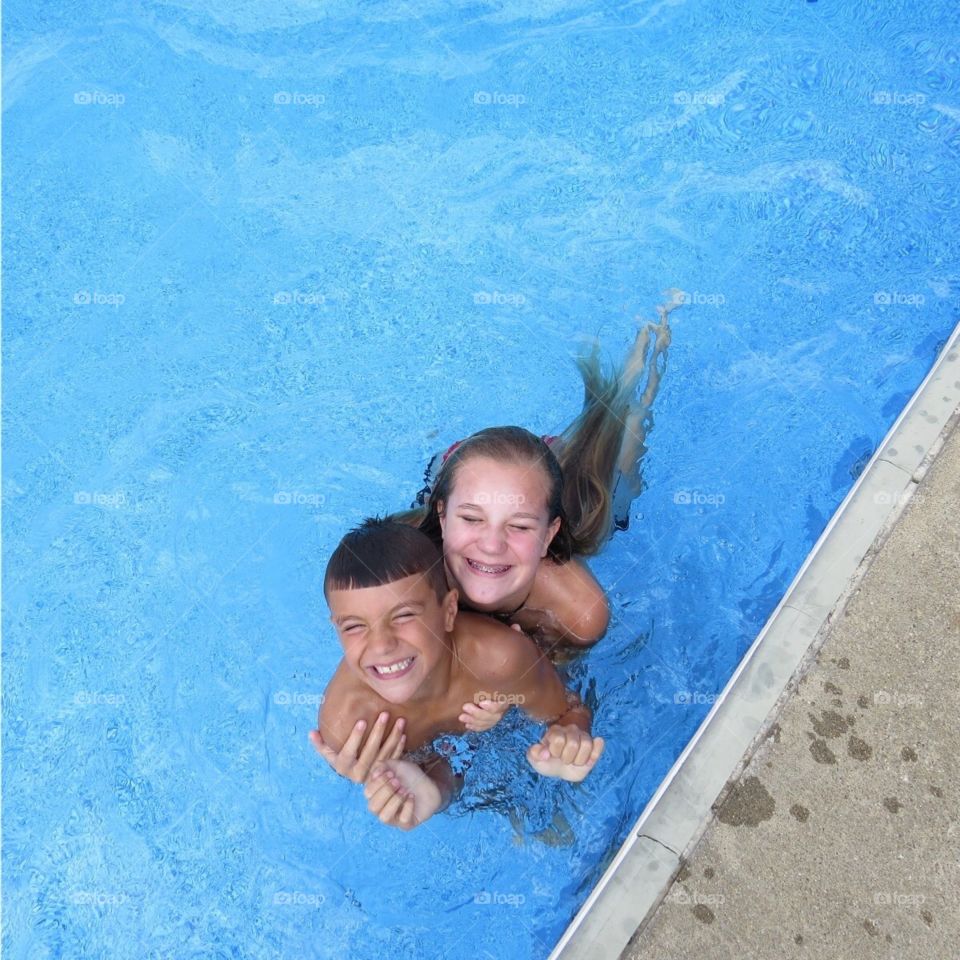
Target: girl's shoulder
x: 571, y: 593
x: 555, y: 580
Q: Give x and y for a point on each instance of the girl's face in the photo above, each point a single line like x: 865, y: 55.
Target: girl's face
x: 496, y: 529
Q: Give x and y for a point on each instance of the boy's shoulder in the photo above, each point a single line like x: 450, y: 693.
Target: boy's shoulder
x: 345, y: 701
x: 490, y: 648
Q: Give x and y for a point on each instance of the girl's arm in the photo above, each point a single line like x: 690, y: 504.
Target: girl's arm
x: 567, y: 748
x: 566, y: 604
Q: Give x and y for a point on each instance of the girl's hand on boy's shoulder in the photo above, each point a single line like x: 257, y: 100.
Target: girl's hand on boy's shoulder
x: 354, y: 761
x: 483, y: 715
x: 565, y: 751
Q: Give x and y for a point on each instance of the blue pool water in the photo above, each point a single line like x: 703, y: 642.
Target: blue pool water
x: 262, y: 260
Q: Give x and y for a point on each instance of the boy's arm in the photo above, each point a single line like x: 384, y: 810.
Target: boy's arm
x: 404, y: 794
x: 449, y: 783
x: 400, y: 792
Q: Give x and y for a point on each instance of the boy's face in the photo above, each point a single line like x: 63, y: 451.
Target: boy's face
x: 394, y: 635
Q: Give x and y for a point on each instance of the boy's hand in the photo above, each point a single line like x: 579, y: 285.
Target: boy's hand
x: 354, y: 765
x: 401, y: 794
x: 566, y: 752
x: 484, y: 715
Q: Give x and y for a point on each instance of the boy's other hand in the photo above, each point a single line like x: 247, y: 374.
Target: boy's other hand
x: 566, y: 752
x: 401, y: 794
x: 353, y: 762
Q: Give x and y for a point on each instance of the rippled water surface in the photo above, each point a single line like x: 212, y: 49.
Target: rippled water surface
x: 262, y: 260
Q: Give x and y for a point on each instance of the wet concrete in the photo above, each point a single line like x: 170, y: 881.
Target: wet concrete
x: 840, y: 839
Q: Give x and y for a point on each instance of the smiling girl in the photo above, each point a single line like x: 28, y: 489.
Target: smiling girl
x: 513, y: 512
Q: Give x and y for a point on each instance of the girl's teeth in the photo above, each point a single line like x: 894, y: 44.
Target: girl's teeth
x: 395, y: 668
x: 483, y: 568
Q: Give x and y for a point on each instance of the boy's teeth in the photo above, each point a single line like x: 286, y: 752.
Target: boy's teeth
x: 394, y: 668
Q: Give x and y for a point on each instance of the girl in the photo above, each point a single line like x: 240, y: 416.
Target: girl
x: 512, y: 512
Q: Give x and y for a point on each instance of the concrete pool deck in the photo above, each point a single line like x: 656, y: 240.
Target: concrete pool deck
x: 840, y: 838
x: 718, y: 784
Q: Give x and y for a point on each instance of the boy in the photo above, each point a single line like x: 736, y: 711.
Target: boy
x: 407, y: 651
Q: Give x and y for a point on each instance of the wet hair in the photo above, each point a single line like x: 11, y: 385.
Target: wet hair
x: 588, y: 450
x: 581, y: 466
x: 381, y: 550
x: 505, y: 445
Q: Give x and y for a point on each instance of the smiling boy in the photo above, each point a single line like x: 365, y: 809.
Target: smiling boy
x: 408, y: 652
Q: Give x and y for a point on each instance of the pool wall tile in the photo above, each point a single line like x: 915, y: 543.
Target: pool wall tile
x: 640, y: 875
x: 913, y: 435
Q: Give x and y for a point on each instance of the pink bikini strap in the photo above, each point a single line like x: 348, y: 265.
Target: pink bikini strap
x: 453, y: 446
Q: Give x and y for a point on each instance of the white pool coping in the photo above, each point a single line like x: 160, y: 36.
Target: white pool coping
x: 673, y: 821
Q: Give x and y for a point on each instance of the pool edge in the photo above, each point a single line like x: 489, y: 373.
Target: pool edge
x: 676, y: 816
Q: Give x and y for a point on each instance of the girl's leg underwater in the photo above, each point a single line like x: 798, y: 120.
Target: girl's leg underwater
x: 640, y: 418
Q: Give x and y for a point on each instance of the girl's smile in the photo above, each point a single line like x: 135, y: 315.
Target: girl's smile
x: 486, y: 570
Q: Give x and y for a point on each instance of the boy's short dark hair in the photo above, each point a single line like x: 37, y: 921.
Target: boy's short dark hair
x: 381, y: 550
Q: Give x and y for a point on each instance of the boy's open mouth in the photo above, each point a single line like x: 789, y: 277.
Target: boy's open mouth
x: 390, y: 671
x: 487, y: 569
